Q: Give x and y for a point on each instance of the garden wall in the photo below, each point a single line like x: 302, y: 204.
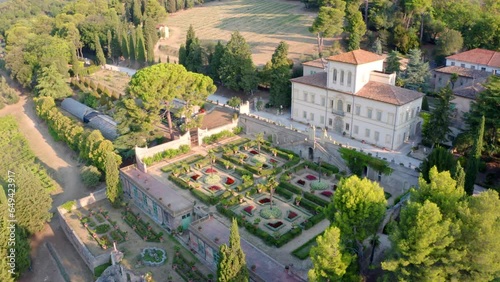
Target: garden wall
x: 205, y: 132
x: 89, y: 259
x: 142, y: 153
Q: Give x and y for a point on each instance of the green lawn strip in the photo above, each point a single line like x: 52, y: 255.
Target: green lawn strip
x: 302, y: 252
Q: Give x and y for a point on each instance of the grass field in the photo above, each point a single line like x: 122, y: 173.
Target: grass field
x: 263, y: 23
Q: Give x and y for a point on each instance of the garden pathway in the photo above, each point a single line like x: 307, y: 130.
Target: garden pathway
x: 61, y: 164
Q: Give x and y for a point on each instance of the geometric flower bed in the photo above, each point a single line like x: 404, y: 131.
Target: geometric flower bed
x: 317, y: 185
x: 211, y: 179
x: 229, y: 181
x: 291, y: 216
x: 269, y: 212
x: 153, y: 256
x: 327, y: 193
x: 301, y: 182
x: 142, y: 228
x: 275, y: 226
x: 264, y: 201
x: 249, y: 210
x: 100, y: 232
x: 311, y: 177
x: 214, y: 188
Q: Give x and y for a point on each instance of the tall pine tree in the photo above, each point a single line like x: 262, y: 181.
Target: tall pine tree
x: 237, y: 70
x: 436, y: 131
x: 417, y: 71
x: 190, y: 55
x: 393, y: 63
x: 232, y: 265
x: 474, y: 159
x: 215, y: 61
x: 280, y: 74
x: 355, y: 26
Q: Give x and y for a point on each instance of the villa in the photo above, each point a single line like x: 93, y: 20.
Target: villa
x: 354, y: 97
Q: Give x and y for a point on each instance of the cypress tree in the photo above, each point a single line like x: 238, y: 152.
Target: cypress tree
x: 132, y: 46
x: 109, y: 38
x: 232, y: 264
x: 141, y: 49
x: 101, y: 60
x: 76, y: 67
x: 280, y: 75
x: 124, y: 46
x: 425, y: 104
x: 459, y: 175
x: 150, y: 51
x: 437, y: 130
x: 136, y: 12
x: 116, y: 46
x: 215, y: 62
x: 474, y: 159
x: 113, y: 187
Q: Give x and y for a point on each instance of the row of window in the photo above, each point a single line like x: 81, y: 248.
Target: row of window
x: 367, y: 133
x: 340, y: 78
x: 472, y: 67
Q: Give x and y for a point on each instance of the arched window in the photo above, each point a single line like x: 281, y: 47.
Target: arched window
x: 342, y: 78
x: 349, y: 78
x: 334, y: 76
x: 340, y: 106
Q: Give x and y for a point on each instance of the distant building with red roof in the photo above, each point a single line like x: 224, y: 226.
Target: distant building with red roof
x: 478, y: 59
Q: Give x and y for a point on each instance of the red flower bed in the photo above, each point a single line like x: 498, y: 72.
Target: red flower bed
x: 265, y: 201
x: 214, y: 188
x: 210, y: 170
x: 253, y: 152
x: 249, y: 209
x: 195, y: 177
x: 327, y: 193
x: 292, y: 215
x: 301, y: 182
x: 311, y: 177
x: 275, y: 224
x: 229, y: 181
x: 273, y: 161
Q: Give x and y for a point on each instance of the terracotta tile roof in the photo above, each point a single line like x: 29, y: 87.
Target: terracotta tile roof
x: 356, y: 57
x: 465, y: 72
x: 469, y: 92
x: 387, y: 93
x: 317, y: 79
x: 478, y: 56
x: 377, y: 91
x: 318, y: 63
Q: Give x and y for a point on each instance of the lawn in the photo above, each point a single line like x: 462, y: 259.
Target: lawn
x: 263, y: 23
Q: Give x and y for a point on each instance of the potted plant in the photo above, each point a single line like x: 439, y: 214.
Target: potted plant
x: 297, y: 200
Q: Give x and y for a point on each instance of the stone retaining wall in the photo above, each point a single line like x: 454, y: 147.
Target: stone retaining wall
x: 90, y: 260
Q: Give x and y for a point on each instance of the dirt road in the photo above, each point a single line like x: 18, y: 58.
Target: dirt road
x: 63, y: 167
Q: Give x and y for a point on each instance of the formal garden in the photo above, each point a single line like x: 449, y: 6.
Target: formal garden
x: 146, y: 249
x: 271, y: 191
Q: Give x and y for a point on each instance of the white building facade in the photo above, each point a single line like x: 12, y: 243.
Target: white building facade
x: 355, y: 98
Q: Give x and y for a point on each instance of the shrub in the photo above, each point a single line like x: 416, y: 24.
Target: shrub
x: 290, y: 187
x: 68, y: 206
x: 315, y: 199
x: 217, y: 137
x: 167, y: 154
x: 284, y: 193
x: 103, y: 228
x: 90, y: 176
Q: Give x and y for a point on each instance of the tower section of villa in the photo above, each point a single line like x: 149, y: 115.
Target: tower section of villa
x: 354, y: 97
